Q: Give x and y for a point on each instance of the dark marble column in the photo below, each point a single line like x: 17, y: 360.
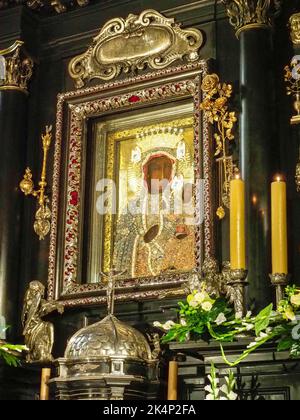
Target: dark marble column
x: 252, y: 21
x: 256, y: 143
x: 13, y: 118
x: 291, y: 151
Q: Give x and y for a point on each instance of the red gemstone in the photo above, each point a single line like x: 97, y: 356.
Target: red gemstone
x: 134, y: 99
x: 74, y: 198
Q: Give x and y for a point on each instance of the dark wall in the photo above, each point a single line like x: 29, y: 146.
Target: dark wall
x: 53, y: 40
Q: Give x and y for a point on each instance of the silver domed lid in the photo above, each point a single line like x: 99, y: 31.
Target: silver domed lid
x: 108, y: 338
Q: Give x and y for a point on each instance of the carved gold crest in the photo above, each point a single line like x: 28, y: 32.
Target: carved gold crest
x: 133, y: 44
x: 295, y: 28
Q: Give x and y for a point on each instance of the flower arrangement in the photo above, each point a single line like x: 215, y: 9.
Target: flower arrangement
x: 203, y: 317
x: 11, y: 353
x: 225, y: 392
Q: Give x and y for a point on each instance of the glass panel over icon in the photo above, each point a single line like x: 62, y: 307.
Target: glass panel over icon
x: 139, y: 194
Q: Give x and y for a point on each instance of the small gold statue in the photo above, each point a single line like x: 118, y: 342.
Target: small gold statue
x: 39, y: 334
x: 154, y: 340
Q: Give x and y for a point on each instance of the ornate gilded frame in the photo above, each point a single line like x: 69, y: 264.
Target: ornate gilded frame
x: 137, y: 42
x: 74, y: 109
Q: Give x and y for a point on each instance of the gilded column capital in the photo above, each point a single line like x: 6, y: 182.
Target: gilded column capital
x: 15, y: 68
x: 251, y: 14
x: 295, y: 28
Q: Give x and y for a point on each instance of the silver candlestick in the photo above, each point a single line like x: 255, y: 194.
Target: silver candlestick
x: 238, y: 283
x: 279, y: 281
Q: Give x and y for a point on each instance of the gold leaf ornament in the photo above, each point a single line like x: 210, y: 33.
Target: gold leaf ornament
x: 210, y: 84
x: 221, y: 212
x: 215, y: 107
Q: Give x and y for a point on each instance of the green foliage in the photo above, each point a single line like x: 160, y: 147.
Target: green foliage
x: 202, y: 317
x: 262, y: 320
x: 11, y: 353
x: 285, y: 343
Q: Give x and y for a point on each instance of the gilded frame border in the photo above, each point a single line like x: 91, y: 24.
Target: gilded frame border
x: 73, y: 110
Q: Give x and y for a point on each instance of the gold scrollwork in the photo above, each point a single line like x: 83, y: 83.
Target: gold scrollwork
x: 251, y: 14
x: 215, y: 106
x: 292, y: 78
x: 43, y: 215
x: 58, y: 5
x: 15, y: 68
x: 132, y: 44
x: 295, y: 28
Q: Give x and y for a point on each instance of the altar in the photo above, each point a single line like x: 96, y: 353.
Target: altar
x: 150, y: 200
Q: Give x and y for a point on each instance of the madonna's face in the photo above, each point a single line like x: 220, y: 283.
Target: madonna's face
x: 158, y: 169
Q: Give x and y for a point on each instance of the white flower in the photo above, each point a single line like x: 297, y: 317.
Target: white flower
x: 193, y: 303
x: 214, y: 381
x: 208, y: 388
x: 209, y: 397
x: 269, y: 330
x: 229, y: 395
x: 239, y: 329
x: 157, y: 324
x: 168, y: 325
x: 200, y: 297
x: 232, y: 396
x: 224, y: 389
x: 249, y: 314
x: 206, y: 306
x: 295, y: 299
x: 253, y: 344
x: 261, y: 336
x: 248, y: 326
x: 239, y: 315
x: 220, y: 319
x: 183, y: 322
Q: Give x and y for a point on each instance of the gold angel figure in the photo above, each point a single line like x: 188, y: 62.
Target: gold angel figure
x: 39, y: 334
